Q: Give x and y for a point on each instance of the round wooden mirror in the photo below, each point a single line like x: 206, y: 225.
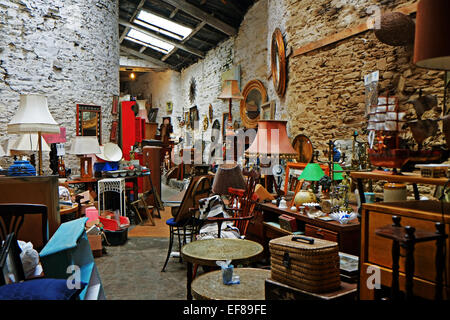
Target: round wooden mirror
x: 278, y: 62
x: 304, y: 148
x: 255, y: 95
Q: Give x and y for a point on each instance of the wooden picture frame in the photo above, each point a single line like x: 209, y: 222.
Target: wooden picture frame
x: 89, y: 121
x: 115, y: 105
x: 268, y: 110
x: 114, y: 136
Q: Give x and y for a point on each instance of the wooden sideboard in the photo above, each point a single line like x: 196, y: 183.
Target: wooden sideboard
x: 35, y: 190
x: 263, y: 229
x: 376, y: 250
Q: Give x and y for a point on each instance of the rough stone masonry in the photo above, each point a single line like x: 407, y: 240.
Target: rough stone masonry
x: 67, y: 50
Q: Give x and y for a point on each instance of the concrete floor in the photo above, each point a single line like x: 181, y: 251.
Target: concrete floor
x: 133, y: 271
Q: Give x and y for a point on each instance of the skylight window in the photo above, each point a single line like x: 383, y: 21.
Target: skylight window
x: 149, y: 41
x: 164, y: 26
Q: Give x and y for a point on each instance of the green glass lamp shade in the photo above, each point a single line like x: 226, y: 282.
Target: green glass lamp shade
x: 312, y: 172
x: 337, y: 175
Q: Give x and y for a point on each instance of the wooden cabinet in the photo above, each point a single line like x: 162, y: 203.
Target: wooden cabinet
x: 376, y: 251
x: 346, y: 235
x: 35, y: 190
x: 321, y: 233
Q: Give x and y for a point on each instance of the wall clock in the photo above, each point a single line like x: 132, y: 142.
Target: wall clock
x: 278, y: 62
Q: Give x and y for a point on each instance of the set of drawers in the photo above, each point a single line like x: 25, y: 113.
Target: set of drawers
x: 317, y: 232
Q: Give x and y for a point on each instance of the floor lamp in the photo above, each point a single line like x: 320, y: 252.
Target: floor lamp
x: 33, y: 116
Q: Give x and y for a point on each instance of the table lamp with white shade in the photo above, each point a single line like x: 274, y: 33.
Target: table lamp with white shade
x: 83, y: 146
x: 33, y: 116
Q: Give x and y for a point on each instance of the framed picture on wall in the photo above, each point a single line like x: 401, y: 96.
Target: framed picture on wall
x: 169, y: 107
x: 268, y: 110
x: 152, y: 114
x: 193, y: 116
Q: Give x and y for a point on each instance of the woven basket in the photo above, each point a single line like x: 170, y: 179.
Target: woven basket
x: 309, y: 267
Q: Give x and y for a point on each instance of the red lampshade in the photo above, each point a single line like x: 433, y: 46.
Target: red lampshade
x: 432, y: 42
x: 272, y: 139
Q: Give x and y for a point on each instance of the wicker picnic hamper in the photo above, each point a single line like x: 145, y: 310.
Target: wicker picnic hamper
x: 310, y: 266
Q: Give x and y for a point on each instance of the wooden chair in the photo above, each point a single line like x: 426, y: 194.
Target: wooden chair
x: 181, y: 224
x: 243, y: 202
x: 12, y: 216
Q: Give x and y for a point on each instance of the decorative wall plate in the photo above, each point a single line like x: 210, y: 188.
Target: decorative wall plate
x: 210, y: 113
x: 205, y: 123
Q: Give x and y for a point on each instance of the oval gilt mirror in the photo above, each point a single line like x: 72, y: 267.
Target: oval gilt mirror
x: 255, y: 95
x: 278, y: 62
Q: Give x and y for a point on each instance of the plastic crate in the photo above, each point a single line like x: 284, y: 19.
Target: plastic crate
x: 112, y: 225
x: 116, y: 238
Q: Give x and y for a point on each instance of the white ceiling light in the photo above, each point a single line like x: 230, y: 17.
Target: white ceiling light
x: 164, y: 26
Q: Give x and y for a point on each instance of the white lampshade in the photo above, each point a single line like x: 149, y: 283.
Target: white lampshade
x: 33, y: 116
x: 28, y: 142
x: 2, y: 152
x: 82, y: 145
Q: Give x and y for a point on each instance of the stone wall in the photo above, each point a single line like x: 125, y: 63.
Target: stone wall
x: 65, y: 49
x: 248, y: 50
x: 326, y: 94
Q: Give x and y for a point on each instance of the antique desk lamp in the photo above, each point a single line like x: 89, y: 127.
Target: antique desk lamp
x: 271, y: 145
x: 33, y: 116
x: 83, y: 146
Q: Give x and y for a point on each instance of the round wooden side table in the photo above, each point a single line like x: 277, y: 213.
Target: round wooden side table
x: 207, y: 252
x: 209, y: 286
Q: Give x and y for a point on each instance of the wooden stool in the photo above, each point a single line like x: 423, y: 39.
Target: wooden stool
x: 406, y: 238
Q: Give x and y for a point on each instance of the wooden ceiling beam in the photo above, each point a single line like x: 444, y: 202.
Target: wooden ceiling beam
x: 203, y: 16
x: 157, y: 36
x: 197, y: 29
x: 138, y: 8
x: 145, y: 57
